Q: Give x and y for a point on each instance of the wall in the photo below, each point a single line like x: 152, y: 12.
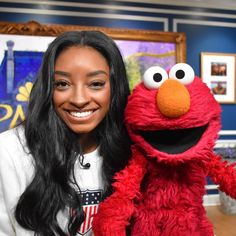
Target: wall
x: 208, y: 27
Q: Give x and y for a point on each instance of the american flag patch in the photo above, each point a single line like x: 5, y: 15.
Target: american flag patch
x: 90, y: 202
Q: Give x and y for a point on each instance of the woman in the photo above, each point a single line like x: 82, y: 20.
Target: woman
x: 58, y: 164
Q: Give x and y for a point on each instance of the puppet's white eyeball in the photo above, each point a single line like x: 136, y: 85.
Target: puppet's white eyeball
x: 182, y: 72
x: 154, y: 76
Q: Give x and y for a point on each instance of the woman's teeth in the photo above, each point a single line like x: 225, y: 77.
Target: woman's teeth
x: 81, y: 114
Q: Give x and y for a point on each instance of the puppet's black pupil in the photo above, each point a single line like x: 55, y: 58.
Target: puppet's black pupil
x: 157, y: 77
x: 179, y: 74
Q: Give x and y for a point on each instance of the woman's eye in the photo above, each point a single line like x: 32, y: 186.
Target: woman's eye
x: 97, y: 84
x: 61, y: 84
x: 154, y: 77
x: 182, y: 72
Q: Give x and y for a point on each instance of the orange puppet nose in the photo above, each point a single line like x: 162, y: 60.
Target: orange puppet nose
x: 173, y: 99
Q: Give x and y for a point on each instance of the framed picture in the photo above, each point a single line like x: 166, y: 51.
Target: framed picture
x: 218, y: 72
x: 22, y: 46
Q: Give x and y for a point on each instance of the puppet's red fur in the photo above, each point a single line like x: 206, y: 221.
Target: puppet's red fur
x: 160, y: 193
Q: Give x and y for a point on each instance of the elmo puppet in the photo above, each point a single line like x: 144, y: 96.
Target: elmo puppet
x: 173, y: 121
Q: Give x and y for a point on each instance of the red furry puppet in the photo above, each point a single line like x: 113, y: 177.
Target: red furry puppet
x: 173, y: 121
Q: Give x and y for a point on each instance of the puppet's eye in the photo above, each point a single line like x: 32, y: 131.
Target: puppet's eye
x: 154, y: 76
x: 183, y: 73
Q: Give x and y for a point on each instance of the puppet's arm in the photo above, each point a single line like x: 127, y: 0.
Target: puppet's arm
x: 115, y: 212
x: 224, y: 174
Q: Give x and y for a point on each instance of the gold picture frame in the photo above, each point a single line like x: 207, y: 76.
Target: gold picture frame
x: 37, y: 29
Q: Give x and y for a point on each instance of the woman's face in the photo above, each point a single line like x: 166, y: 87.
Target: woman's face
x: 81, y: 94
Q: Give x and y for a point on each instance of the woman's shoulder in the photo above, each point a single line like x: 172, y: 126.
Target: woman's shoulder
x: 14, y: 151
x: 13, y: 142
x: 12, y: 137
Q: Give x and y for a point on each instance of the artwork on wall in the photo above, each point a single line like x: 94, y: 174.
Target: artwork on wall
x: 218, y: 72
x: 20, y: 59
x: 22, y: 47
x: 139, y: 55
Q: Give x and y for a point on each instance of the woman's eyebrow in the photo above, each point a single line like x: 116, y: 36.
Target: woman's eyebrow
x: 90, y: 74
x: 63, y: 73
x: 97, y: 72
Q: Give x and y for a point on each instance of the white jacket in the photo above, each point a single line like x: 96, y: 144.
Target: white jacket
x: 16, y: 172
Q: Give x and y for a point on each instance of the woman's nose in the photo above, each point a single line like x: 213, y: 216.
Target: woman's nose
x: 173, y: 99
x: 80, y: 96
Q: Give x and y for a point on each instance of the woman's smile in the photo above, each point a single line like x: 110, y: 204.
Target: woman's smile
x: 81, y: 114
x: 79, y: 117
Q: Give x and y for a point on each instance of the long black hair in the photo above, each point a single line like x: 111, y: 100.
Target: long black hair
x: 54, y: 147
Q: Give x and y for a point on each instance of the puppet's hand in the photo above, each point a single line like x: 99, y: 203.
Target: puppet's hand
x: 224, y: 174
x: 115, y: 212
x: 113, y: 217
